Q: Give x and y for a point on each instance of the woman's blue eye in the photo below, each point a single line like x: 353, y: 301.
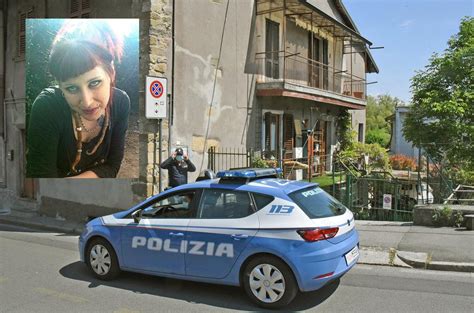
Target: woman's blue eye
x: 95, y: 83
x: 72, y: 89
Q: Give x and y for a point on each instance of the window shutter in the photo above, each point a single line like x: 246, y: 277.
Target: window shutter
x: 21, y: 40
x: 21, y: 34
x: 85, y: 5
x: 80, y: 8
x: 267, y: 131
x: 74, y: 7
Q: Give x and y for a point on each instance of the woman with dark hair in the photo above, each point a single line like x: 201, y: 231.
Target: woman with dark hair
x: 77, y: 129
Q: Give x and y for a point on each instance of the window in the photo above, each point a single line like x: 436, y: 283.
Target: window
x: 361, y: 132
x: 80, y: 9
x: 224, y: 204
x: 261, y: 201
x: 21, y: 39
x: 175, y: 206
x: 316, y: 203
x: 272, y: 47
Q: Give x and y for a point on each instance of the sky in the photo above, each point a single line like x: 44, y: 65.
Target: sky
x: 410, y: 32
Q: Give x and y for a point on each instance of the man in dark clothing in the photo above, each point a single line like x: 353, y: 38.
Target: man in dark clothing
x: 178, y: 166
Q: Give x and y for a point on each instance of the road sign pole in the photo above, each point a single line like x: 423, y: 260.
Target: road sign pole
x: 159, y: 156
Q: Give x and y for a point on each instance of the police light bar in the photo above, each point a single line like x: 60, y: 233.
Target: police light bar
x: 248, y: 173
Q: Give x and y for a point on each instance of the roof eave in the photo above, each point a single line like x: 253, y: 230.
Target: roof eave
x: 372, y: 66
x: 343, y: 26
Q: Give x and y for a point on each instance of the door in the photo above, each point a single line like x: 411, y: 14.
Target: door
x: 325, y: 66
x: 28, y: 185
x: 320, y: 147
x: 318, y: 55
x: 157, y: 242
x: 223, y: 227
x: 288, y: 140
x: 272, y: 136
x: 314, y: 65
x: 272, y: 47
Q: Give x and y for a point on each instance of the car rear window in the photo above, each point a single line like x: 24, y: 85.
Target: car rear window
x: 261, y: 201
x: 317, y: 203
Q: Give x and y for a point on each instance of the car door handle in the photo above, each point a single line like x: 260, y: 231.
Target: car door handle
x: 176, y: 234
x: 239, y: 236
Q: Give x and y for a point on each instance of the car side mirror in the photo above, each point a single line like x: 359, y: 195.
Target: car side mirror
x: 137, y: 215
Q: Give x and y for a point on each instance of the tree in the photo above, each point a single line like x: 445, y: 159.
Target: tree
x: 441, y: 119
x: 378, y: 109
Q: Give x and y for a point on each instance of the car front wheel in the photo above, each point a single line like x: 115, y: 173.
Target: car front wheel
x: 102, y: 260
x: 269, y: 282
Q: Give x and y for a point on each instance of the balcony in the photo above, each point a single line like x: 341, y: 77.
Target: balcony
x: 284, y: 73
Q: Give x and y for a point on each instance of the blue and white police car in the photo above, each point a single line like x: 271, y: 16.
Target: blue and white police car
x: 247, y: 228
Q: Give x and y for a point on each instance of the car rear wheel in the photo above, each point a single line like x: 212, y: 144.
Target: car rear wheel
x: 269, y: 282
x: 102, y: 260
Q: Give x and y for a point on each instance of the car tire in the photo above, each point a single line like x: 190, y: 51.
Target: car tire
x: 269, y: 282
x: 102, y: 260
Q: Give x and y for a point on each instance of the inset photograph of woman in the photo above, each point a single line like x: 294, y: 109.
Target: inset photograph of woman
x: 82, y: 98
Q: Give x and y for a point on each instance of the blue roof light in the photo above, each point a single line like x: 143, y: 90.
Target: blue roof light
x: 250, y: 173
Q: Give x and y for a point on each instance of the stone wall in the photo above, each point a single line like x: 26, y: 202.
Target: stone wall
x: 423, y: 214
x: 156, y: 58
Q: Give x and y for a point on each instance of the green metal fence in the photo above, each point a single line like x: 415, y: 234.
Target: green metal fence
x: 365, y: 197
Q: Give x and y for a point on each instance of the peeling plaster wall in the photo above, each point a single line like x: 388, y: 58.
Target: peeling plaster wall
x: 202, y: 79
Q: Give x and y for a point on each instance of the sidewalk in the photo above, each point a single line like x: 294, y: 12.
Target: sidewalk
x: 381, y: 243
x: 403, y: 244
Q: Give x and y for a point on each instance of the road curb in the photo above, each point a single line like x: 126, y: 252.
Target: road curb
x: 376, y: 256
x: 423, y: 260
x: 368, y: 255
x: 44, y: 223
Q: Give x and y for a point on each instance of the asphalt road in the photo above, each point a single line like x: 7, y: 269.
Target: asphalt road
x: 41, y: 272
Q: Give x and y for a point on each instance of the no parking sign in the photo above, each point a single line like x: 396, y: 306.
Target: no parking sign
x: 155, y: 97
x: 387, y: 201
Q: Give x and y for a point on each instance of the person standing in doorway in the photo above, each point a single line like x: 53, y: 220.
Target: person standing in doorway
x: 178, y: 166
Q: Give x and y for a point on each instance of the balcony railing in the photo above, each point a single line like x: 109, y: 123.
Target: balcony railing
x: 277, y: 66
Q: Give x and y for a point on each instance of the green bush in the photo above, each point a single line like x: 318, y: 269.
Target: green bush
x: 447, y: 217
x: 378, y: 156
x: 462, y: 176
x: 379, y: 136
x: 258, y: 162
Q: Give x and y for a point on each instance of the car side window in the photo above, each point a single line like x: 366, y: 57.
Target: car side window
x: 174, y: 206
x: 227, y: 204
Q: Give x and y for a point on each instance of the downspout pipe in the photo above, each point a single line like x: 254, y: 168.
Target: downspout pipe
x: 3, y: 36
x: 171, y: 112
x: 3, y: 112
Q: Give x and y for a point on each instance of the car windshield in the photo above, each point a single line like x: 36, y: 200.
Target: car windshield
x: 316, y: 203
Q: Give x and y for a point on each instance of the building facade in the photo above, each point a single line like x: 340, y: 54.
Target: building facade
x: 254, y: 74
x: 266, y: 75
x: 398, y: 143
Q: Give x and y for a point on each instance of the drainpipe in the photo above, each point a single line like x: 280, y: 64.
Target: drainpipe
x: 2, y: 69
x: 3, y: 112
x: 171, y: 111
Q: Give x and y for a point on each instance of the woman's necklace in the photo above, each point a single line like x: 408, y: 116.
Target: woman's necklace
x: 99, y: 123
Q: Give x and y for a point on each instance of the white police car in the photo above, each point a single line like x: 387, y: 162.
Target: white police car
x: 248, y: 228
